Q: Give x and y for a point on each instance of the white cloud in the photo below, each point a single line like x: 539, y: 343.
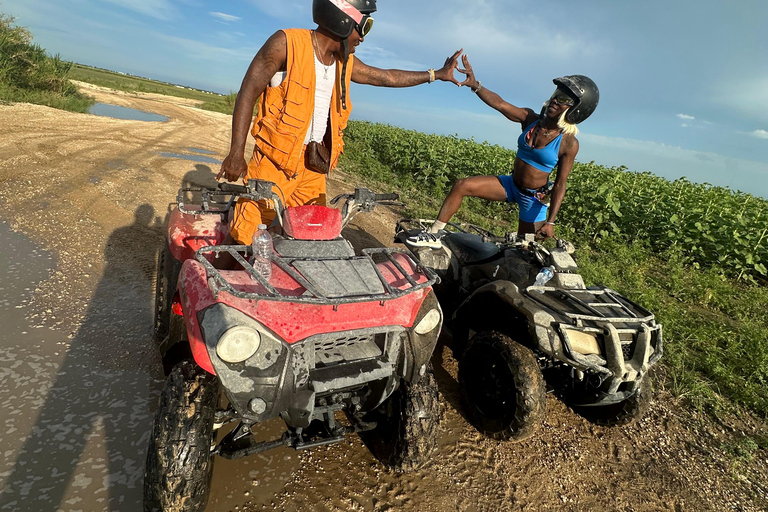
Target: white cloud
x: 202, y: 51
x: 686, y: 117
x: 227, y: 18
x: 161, y: 9
x: 286, y: 10
x: 759, y: 134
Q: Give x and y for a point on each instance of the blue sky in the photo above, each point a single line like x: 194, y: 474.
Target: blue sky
x: 684, y: 84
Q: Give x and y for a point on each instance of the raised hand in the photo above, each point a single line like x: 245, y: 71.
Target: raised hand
x: 446, y: 72
x: 470, y: 81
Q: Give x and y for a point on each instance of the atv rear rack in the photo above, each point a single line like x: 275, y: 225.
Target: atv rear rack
x: 211, y: 201
x: 313, y: 294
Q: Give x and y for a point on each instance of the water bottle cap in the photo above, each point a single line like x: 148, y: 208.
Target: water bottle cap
x: 263, y: 227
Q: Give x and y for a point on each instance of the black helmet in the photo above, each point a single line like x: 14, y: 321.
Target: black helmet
x: 341, y: 17
x: 338, y: 16
x: 584, y: 93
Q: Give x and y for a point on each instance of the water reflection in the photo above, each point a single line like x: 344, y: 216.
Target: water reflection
x: 114, y: 111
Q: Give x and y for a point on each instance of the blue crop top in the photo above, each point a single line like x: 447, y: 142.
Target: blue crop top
x: 544, y: 159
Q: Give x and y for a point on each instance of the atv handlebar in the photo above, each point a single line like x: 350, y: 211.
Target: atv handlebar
x: 362, y: 200
x: 233, y: 189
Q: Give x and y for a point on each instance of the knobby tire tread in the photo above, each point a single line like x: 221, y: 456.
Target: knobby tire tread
x: 179, y: 462
x: 406, y: 436
x: 530, y: 388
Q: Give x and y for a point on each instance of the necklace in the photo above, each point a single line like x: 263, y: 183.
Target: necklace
x: 317, y: 52
x: 545, y: 132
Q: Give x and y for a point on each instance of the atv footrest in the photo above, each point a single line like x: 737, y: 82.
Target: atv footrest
x: 236, y: 450
x: 344, y: 376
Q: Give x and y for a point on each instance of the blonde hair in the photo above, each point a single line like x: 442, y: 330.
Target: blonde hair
x: 566, y: 127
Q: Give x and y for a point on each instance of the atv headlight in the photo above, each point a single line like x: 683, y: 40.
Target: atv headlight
x: 583, y: 342
x: 238, y: 344
x: 429, y: 322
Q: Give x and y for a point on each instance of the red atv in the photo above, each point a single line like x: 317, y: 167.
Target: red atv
x: 329, y: 331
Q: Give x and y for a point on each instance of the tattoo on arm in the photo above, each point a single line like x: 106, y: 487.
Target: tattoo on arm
x: 369, y: 75
x: 270, y: 59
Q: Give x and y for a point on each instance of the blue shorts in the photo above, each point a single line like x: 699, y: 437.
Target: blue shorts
x: 531, y: 209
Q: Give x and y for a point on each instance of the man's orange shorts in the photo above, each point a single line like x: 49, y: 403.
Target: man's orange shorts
x: 307, y: 187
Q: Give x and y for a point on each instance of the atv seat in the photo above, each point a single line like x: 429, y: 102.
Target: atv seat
x: 469, y: 247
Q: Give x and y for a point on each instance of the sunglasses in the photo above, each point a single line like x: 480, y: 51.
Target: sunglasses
x: 561, y: 99
x: 365, y: 26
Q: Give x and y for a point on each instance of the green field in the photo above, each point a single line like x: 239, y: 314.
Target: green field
x: 693, y: 254
x: 128, y: 83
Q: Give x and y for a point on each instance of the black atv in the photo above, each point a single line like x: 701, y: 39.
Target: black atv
x: 512, y: 338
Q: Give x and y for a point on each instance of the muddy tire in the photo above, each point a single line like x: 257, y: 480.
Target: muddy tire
x: 407, y: 425
x: 622, y: 413
x: 179, y: 460
x: 168, y: 269
x: 502, y: 388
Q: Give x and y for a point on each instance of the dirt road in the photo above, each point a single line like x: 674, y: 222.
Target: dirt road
x: 83, y: 200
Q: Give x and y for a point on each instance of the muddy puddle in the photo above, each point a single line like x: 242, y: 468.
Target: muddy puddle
x: 117, y: 112
x: 257, y: 478
x: 74, y: 429
x: 193, y: 156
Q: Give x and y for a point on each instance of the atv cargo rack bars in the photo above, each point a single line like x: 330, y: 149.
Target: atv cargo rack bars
x: 211, y: 201
x: 598, y: 309
x: 313, y: 293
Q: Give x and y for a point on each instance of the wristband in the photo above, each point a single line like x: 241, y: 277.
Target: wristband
x: 431, y: 75
x: 477, y: 89
x: 549, y: 223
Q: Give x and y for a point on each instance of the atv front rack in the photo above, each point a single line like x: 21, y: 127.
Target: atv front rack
x: 601, y: 305
x: 313, y: 293
x: 628, y: 331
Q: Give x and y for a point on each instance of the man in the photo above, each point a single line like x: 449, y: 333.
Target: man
x: 302, y: 78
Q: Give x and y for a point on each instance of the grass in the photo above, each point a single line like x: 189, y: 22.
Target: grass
x: 223, y: 104
x: 128, y: 83
x: 716, y: 339
x: 29, y: 74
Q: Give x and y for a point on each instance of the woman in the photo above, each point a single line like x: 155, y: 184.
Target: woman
x: 548, y: 140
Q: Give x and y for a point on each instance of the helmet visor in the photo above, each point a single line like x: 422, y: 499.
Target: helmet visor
x: 561, y: 98
x: 365, y: 25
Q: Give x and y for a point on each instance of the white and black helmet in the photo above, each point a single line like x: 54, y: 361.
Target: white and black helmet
x: 584, y: 93
x: 341, y: 17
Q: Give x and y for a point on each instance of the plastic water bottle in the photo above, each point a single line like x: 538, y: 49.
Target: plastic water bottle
x: 262, y: 250
x: 544, y: 276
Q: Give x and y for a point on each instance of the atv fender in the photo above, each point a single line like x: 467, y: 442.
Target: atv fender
x: 501, y: 306
x: 418, y: 348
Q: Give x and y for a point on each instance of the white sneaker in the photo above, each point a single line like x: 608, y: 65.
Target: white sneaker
x: 424, y: 239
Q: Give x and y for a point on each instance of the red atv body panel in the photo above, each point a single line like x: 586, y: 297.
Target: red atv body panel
x: 187, y: 233
x: 294, y: 321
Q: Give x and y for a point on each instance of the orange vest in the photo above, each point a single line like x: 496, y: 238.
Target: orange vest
x: 285, y: 111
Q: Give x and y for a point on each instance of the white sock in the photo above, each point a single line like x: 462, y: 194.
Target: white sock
x: 436, y: 226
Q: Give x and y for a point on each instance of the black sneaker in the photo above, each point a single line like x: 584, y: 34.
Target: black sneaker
x: 424, y: 239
